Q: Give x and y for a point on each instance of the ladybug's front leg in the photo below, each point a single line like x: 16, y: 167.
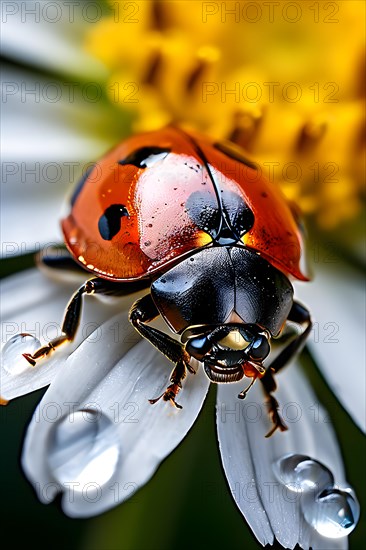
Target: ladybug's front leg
x: 144, y: 311
x: 300, y: 315
x: 176, y: 378
x: 269, y: 385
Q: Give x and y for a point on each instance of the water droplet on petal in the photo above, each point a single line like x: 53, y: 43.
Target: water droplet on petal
x: 84, y: 449
x: 12, y: 358
x: 334, y: 513
x: 301, y: 473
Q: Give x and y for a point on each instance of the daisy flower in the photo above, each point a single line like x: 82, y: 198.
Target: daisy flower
x: 73, y: 72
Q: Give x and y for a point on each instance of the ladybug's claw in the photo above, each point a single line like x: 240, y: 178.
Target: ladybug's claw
x: 278, y: 423
x: 39, y: 354
x: 189, y: 368
x: 169, y: 395
x: 45, y: 350
x: 29, y: 358
x: 178, y: 374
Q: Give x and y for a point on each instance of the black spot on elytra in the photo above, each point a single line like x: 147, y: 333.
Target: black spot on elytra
x: 110, y: 223
x: 145, y: 157
x: 234, y: 154
x: 79, y: 186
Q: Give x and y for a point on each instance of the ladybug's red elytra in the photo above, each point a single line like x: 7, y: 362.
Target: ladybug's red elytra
x: 196, y: 223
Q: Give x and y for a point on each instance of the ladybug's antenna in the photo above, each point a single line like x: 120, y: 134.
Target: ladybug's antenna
x: 243, y: 394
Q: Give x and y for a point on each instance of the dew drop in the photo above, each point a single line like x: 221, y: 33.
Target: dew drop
x: 331, y: 511
x: 334, y: 513
x: 301, y: 473
x: 12, y: 358
x: 84, y: 449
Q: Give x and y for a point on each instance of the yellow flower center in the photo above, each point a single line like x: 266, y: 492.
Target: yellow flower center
x: 281, y: 80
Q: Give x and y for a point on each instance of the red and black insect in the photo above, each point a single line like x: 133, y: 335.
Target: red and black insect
x: 215, y: 243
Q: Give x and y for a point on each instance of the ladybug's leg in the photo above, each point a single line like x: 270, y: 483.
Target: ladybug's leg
x: 177, y: 376
x: 298, y: 314
x: 143, y: 311
x: 269, y: 385
x: 73, y: 312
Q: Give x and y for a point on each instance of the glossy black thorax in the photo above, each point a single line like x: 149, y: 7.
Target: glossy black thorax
x: 218, y: 284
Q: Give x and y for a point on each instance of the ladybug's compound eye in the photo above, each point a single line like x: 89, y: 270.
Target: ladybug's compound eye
x: 198, y: 347
x: 259, y: 349
x: 145, y: 157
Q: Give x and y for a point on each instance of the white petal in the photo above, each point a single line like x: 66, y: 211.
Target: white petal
x: 46, y: 147
x: 31, y: 303
x: 336, y: 299
x: 51, y: 120
x: 248, y: 457
x: 50, y: 35
x: 30, y: 235
x: 117, y: 380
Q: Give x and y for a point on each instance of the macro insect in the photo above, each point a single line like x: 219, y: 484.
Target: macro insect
x: 212, y: 241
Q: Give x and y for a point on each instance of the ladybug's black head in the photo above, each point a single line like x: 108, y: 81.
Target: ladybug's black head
x: 225, y: 350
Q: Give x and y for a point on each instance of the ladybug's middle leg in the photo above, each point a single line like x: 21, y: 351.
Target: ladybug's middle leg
x: 69, y: 326
x: 73, y: 312
x: 300, y: 315
x: 143, y: 311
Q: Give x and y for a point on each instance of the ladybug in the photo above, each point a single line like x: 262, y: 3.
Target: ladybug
x: 195, y: 223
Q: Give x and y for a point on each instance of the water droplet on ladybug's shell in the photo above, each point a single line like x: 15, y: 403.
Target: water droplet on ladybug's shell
x: 12, y: 358
x: 84, y: 449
